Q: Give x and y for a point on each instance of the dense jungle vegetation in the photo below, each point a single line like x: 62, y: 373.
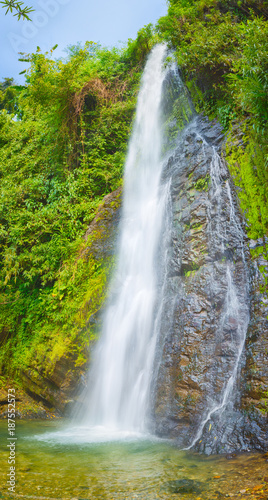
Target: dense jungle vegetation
x: 63, y: 141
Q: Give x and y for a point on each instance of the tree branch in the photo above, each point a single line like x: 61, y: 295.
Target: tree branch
x: 18, y: 7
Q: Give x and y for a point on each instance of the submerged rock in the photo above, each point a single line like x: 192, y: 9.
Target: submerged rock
x: 184, y: 486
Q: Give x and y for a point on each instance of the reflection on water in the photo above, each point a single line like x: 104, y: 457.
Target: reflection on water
x: 53, y: 463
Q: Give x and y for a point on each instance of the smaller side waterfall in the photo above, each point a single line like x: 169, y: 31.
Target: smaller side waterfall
x: 235, y: 316
x: 121, y: 370
x: 197, y: 388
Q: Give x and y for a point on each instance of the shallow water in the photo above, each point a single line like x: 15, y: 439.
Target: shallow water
x: 54, y: 462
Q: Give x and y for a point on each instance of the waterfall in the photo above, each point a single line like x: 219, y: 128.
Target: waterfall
x: 176, y: 318
x: 121, y: 369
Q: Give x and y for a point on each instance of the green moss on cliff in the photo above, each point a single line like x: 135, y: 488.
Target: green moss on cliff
x: 246, y: 159
x: 63, y: 319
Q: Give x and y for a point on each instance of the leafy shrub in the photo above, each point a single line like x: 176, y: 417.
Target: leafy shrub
x: 62, y: 149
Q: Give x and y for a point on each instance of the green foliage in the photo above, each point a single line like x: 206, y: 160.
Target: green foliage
x: 247, y: 166
x: 20, y: 9
x: 189, y: 274
x: 54, y: 316
x: 249, y: 80
x: 9, y: 95
x: 226, y: 115
x: 202, y: 184
x: 63, y: 140
x: 6, y: 83
x: 138, y: 49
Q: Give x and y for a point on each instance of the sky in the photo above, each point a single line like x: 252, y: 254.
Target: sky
x: 66, y: 22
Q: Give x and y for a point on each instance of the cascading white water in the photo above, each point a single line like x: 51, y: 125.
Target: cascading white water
x: 122, y: 366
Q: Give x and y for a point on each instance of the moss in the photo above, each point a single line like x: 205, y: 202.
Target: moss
x: 246, y: 161
x: 264, y: 403
x: 197, y: 227
x: 191, y: 272
x: 202, y: 184
x: 69, y: 311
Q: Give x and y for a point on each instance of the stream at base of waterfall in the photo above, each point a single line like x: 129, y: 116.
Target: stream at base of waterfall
x: 48, y: 467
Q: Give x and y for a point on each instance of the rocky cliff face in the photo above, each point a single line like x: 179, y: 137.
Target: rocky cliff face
x: 212, y: 374
x: 254, y: 394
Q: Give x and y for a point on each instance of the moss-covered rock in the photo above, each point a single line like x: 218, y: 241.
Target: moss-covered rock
x: 56, y: 365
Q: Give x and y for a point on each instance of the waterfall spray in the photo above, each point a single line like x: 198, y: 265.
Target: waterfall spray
x: 121, y: 370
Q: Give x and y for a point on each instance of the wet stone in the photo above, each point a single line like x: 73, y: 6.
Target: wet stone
x: 209, y: 297
x: 184, y: 486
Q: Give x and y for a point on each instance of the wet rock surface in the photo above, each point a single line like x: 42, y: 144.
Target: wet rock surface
x: 56, y: 390
x: 211, y: 297
x: 254, y: 402
x: 25, y: 406
x: 184, y: 486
